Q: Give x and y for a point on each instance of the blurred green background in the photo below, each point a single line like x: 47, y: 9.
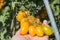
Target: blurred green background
x: 9, y: 9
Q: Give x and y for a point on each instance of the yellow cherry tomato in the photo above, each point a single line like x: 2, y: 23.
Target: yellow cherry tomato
x: 32, y: 31
x: 47, y: 30
x: 39, y: 31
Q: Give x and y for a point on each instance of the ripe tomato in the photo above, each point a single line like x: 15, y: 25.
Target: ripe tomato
x: 47, y: 30
x: 20, y: 15
x: 24, y: 22
x: 32, y: 31
x: 31, y: 18
x: 24, y: 30
x: 39, y: 31
x: 24, y: 27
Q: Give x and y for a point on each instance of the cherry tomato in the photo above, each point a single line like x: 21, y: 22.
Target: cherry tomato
x: 32, y: 31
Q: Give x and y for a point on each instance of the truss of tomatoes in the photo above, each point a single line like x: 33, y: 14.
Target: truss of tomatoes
x: 31, y: 25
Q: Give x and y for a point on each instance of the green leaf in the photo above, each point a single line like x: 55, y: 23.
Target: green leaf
x: 22, y: 8
x: 2, y: 34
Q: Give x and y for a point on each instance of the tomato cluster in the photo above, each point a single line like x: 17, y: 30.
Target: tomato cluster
x: 31, y: 25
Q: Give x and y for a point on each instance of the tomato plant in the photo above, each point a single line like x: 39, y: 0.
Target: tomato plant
x: 9, y: 9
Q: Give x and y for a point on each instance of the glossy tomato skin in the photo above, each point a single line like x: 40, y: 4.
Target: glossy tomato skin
x: 39, y: 31
x: 47, y: 30
x: 24, y: 26
x: 32, y: 31
x: 20, y: 16
x: 24, y: 29
x: 24, y: 20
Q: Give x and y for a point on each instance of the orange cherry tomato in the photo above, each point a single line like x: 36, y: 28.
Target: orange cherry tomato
x: 24, y: 27
x: 24, y: 30
x: 20, y: 16
x: 24, y: 22
x: 32, y: 31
